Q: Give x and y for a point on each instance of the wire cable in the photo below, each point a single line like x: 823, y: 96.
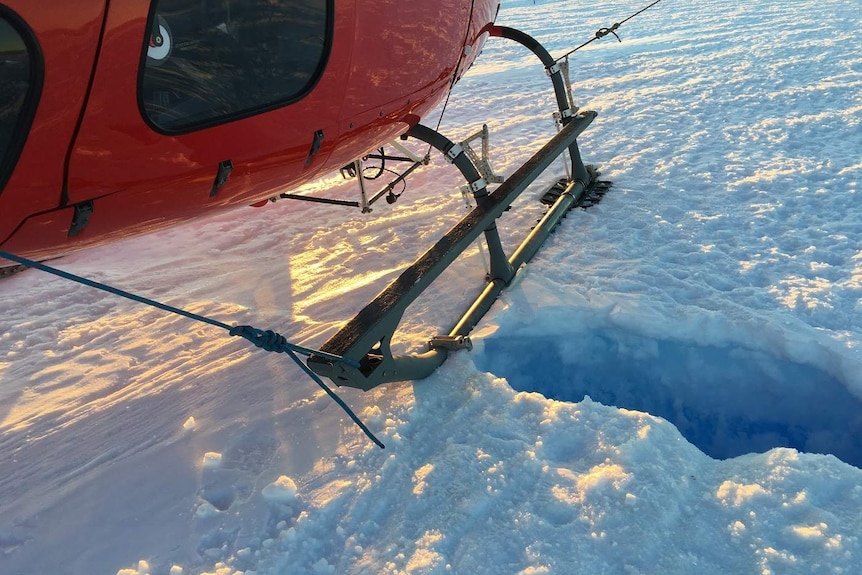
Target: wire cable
x: 267, y: 340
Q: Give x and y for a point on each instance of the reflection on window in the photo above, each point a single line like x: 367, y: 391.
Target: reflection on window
x: 14, y: 88
x: 209, y: 61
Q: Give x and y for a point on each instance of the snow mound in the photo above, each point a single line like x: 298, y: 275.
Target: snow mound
x: 282, y: 490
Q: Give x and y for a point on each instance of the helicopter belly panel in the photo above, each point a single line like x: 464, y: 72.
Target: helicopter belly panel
x: 178, y: 122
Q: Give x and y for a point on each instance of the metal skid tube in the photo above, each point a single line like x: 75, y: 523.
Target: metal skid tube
x: 366, y: 338
x: 523, y: 254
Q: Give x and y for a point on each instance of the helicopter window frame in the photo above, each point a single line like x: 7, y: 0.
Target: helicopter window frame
x: 10, y: 152
x: 220, y: 108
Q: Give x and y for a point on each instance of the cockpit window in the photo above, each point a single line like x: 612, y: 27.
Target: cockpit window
x: 211, y: 61
x: 20, y: 69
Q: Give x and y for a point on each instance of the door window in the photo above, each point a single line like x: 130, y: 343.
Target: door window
x: 211, y: 61
x: 20, y: 81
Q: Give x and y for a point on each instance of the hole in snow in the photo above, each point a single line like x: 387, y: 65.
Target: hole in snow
x: 726, y: 401
x: 220, y: 498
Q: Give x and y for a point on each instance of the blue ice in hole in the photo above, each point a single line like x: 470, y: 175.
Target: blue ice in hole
x: 727, y: 401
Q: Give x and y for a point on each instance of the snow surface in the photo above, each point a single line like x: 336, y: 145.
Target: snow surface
x: 710, y: 308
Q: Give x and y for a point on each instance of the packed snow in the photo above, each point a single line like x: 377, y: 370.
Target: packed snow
x: 673, y: 385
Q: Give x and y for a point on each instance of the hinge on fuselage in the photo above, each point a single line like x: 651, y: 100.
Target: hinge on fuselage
x: 315, y: 146
x: 81, y: 217
x: 225, y: 167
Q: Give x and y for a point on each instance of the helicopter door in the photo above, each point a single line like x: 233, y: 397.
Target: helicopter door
x: 206, y: 101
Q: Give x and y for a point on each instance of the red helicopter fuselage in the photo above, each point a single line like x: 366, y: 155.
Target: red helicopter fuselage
x: 125, y: 117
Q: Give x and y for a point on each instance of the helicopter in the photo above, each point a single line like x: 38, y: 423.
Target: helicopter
x: 122, y: 118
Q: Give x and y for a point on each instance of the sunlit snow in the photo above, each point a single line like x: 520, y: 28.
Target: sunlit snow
x: 673, y: 385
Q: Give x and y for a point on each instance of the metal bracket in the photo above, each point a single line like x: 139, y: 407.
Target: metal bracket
x: 409, y: 153
x: 482, y: 161
x: 225, y: 167
x: 453, y: 152
x: 477, y: 185
x: 81, y: 217
x: 316, y: 140
x: 357, y: 168
x: 564, y: 66
x: 364, y: 204
x: 451, y: 342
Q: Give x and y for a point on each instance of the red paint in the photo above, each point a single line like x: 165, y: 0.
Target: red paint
x: 382, y: 75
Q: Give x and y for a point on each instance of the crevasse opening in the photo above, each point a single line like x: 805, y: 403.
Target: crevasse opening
x: 727, y: 401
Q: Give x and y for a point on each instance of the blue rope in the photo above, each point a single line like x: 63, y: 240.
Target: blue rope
x: 267, y: 340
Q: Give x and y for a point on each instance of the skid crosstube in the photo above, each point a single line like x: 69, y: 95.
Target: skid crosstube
x: 366, y: 338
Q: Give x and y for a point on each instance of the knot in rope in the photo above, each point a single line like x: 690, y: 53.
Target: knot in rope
x: 267, y: 340
x: 602, y: 32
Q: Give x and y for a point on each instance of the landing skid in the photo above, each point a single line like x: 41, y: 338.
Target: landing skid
x: 366, y: 339
x: 8, y: 271
x: 11, y: 270
x: 594, y: 195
